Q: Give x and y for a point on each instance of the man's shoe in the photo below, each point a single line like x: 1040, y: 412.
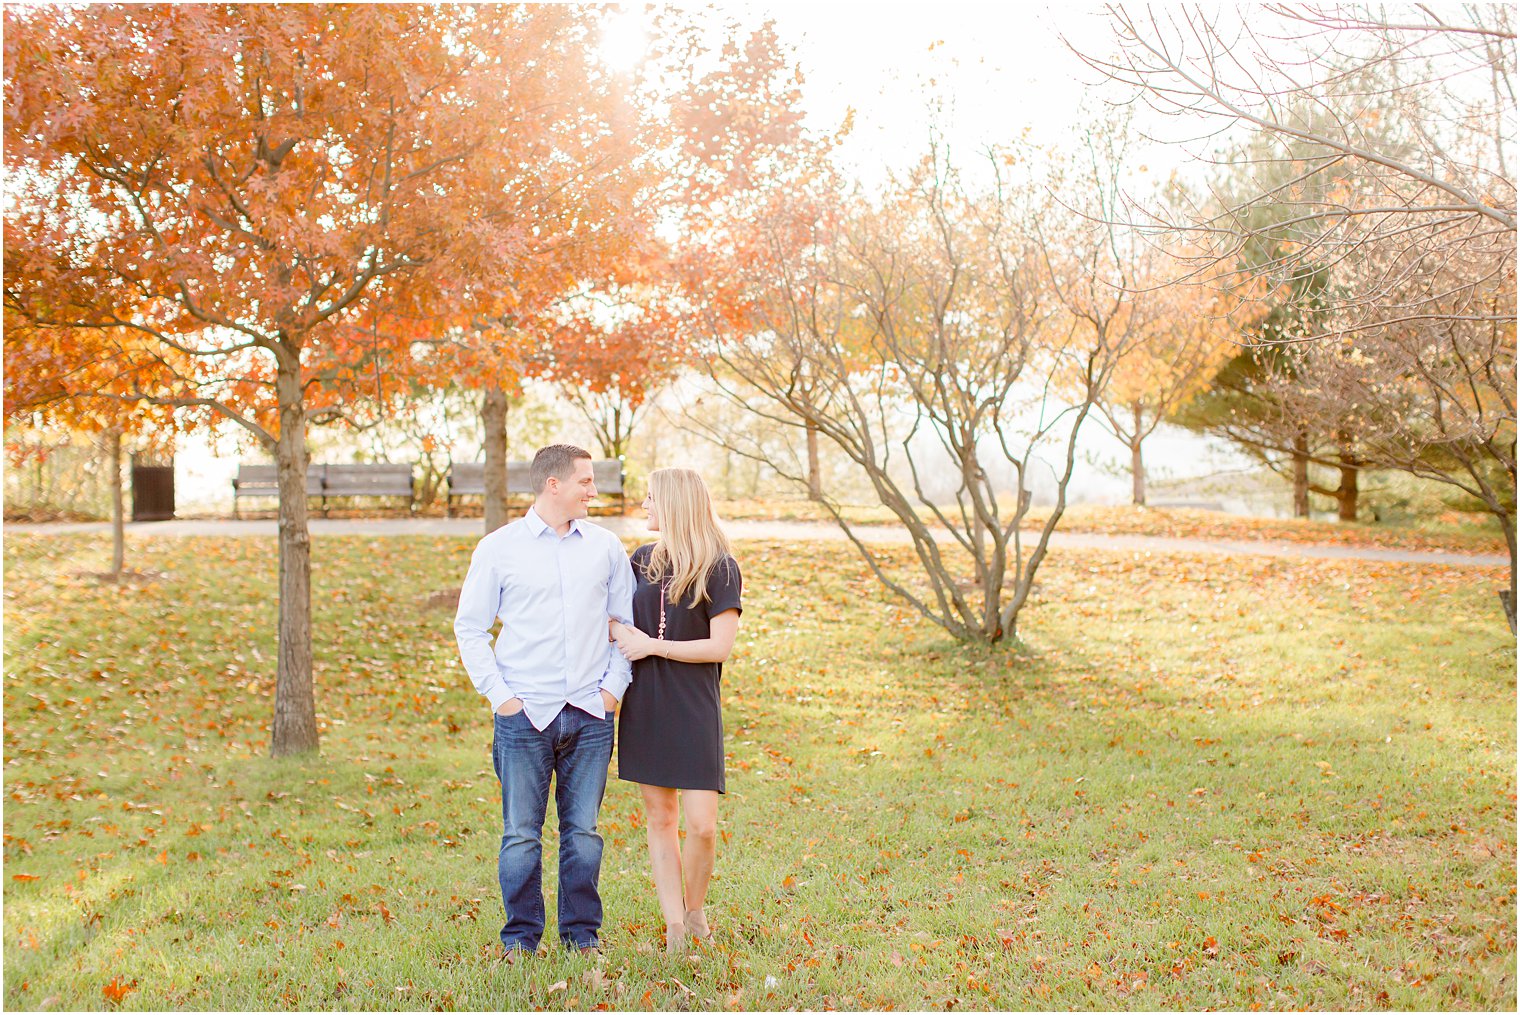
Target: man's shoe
x: 515, y: 955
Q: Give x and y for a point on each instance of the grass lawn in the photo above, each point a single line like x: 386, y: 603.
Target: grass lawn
x: 1200, y: 782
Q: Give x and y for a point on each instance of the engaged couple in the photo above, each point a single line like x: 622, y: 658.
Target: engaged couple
x: 584, y: 627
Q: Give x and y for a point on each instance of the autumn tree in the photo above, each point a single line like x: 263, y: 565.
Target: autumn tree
x: 91, y: 384
x: 1385, y: 142
x: 1165, y: 367
x: 1239, y: 405
x: 1243, y: 402
x: 612, y: 351
x: 1239, y: 402
x: 496, y: 339
x: 921, y: 333
x: 1434, y: 398
x: 1170, y: 324
x: 233, y: 183
x: 742, y: 154
x: 1393, y: 138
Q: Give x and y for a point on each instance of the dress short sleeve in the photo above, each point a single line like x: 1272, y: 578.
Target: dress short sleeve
x: 723, y: 587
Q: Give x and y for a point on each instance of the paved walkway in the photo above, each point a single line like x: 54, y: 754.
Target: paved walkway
x: 633, y: 528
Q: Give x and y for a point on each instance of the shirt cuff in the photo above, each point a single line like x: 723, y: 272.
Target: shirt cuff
x: 499, y: 696
x: 616, y: 684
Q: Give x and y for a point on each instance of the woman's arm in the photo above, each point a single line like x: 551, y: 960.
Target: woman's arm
x: 716, y: 648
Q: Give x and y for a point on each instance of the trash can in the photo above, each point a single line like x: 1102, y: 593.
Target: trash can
x: 152, y: 490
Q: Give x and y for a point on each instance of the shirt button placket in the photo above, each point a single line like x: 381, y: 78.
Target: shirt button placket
x: 564, y: 615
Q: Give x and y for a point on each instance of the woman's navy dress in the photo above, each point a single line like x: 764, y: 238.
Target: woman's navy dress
x: 670, y: 732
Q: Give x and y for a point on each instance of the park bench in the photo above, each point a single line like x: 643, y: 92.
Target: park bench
x: 468, y: 479
x: 374, y: 479
x: 264, y: 481
x: 378, y: 479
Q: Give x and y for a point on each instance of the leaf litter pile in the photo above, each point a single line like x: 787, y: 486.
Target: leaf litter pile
x: 1238, y: 782
x: 1450, y: 532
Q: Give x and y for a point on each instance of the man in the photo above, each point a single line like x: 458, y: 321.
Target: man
x: 554, y: 682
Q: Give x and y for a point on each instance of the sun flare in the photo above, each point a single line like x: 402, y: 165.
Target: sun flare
x: 625, y: 40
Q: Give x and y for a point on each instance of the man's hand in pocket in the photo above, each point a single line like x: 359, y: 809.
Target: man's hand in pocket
x: 511, y: 706
x: 608, y: 701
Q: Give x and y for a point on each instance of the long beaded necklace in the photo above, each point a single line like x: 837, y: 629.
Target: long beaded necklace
x: 663, y: 583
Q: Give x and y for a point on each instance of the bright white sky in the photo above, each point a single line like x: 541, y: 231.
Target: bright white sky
x: 996, y: 72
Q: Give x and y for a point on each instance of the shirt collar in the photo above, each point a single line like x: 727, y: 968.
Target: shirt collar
x: 537, y: 526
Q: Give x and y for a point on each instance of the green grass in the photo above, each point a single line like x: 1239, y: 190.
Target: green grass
x: 1199, y: 782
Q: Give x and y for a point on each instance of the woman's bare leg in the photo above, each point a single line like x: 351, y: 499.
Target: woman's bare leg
x: 661, y: 824
x: 701, y: 808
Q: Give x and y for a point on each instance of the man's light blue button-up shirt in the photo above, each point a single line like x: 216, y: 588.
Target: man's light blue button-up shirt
x: 553, y: 594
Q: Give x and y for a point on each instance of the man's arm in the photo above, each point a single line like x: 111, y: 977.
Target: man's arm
x: 619, y: 672
x: 479, y: 604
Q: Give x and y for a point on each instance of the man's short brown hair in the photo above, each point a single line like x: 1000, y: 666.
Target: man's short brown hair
x: 557, y: 460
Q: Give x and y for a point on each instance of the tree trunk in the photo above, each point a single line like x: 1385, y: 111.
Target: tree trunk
x: 815, y: 473
x: 1301, y: 476
x: 493, y: 421
x: 295, y: 712
x: 613, y: 447
x: 1507, y: 521
x: 1136, y: 461
x: 1346, y: 493
x: 118, y: 513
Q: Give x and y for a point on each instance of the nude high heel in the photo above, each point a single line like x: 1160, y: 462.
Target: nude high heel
x: 675, y: 939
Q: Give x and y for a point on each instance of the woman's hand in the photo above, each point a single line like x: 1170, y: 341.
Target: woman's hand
x: 633, y: 643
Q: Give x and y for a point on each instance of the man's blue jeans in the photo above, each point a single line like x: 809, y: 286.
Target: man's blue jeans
x: 575, y: 749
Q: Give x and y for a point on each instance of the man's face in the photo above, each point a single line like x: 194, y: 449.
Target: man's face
x: 573, y: 496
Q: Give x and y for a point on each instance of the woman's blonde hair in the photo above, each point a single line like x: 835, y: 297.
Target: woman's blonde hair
x: 691, y: 544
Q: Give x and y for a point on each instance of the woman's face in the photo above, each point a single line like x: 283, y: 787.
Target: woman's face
x: 651, y: 512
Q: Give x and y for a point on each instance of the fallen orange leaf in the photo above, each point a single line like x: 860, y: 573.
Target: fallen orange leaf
x: 116, y: 990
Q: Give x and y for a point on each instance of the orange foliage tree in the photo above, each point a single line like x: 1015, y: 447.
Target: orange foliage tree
x: 755, y: 190
x: 93, y: 384
x: 1179, y: 334
x: 236, y: 184
x: 611, y: 354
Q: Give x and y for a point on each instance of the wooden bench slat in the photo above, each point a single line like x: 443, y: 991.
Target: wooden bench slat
x: 468, y: 479
x: 372, y: 479
x: 264, y: 481
x: 392, y: 479
x: 608, y: 474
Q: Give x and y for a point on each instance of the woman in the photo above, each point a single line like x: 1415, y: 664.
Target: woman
x: 670, y: 738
